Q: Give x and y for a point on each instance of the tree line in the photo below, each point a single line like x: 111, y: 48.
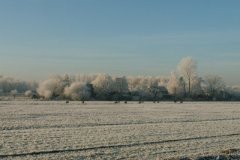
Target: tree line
x: 183, y: 84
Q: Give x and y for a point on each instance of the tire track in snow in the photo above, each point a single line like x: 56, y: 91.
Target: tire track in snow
x: 114, y: 146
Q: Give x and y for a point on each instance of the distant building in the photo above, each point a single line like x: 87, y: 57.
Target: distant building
x: 121, y: 85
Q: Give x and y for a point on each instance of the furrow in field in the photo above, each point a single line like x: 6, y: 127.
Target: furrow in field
x: 111, y: 124
x: 117, y: 146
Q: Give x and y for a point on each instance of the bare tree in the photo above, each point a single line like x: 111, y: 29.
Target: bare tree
x: 182, y: 86
x: 213, y: 85
x: 173, y: 84
x: 187, y: 68
x: 196, y: 86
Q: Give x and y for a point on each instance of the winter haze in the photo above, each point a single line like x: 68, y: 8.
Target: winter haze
x: 41, y: 38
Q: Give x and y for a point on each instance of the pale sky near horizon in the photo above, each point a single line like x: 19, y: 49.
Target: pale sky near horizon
x: 125, y: 37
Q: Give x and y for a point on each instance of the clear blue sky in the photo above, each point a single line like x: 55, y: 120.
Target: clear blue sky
x: 120, y: 37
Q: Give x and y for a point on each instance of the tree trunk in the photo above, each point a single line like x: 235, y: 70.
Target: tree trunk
x: 189, y: 87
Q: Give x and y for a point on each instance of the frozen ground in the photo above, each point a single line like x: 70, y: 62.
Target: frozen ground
x: 103, y: 130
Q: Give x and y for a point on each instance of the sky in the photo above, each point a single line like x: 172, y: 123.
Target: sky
x: 119, y: 37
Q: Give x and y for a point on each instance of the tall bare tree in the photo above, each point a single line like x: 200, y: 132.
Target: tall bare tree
x: 213, y: 85
x: 187, y: 68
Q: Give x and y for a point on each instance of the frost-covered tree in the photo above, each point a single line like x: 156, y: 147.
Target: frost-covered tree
x: 47, y: 88
x: 182, y: 86
x: 28, y: 93
x: 188, y: 69
x: 176, y: 85
x: 196, y: 86
x: 132, y: 83
x: 7, y: 84
x: 155, y: 89
x: 138, y: 86
x: 173, y: 84
x: 147, y: 87
x: 66, y: 80
x: 142, y: 87
x: 53, y: 87
x: 213, y: 85
x: 103, y: 86
x: 77, y: 91
x: 85, y: 78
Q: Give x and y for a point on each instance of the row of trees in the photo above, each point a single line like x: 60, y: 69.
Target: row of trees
x: 13, y: 86
x: 184, y: 83
x: 101, y: 87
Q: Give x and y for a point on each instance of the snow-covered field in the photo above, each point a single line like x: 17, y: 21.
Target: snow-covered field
x: 103, y: 130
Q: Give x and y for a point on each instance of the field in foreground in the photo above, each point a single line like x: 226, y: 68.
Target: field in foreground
x: 103, y: 130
